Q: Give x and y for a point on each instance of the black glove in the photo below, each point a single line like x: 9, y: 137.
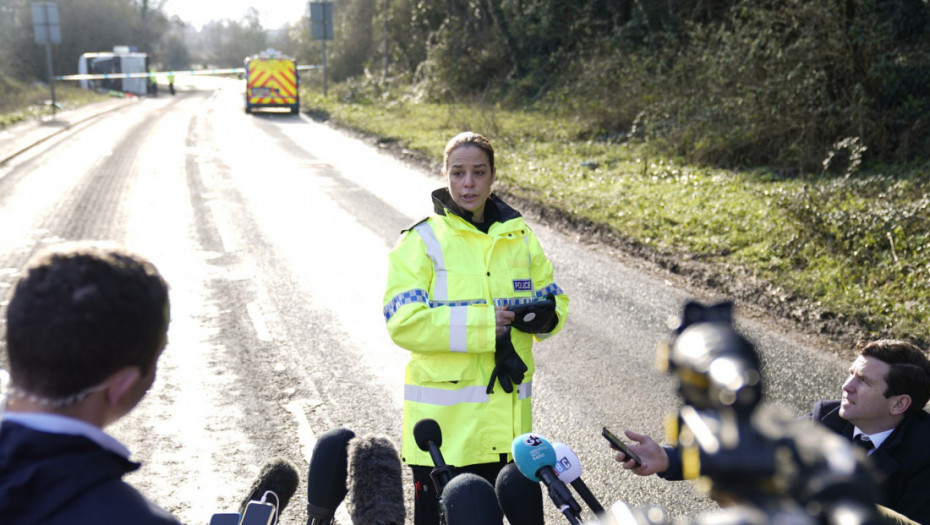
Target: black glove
x: 536, y: 319
x: 508, y: 367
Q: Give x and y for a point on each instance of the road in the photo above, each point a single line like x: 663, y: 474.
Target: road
x: 273, y: 232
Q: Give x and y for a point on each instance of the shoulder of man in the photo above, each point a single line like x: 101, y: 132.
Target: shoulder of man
x: 116, y: 501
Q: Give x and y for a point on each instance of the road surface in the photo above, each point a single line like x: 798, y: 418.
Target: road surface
x: 273, y: 232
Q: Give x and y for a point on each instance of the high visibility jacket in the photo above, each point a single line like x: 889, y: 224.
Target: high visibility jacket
x: 445, y: 279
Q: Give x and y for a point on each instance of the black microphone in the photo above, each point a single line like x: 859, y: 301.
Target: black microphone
x: 279, y: 477
x: 519, y: 498
x: 469, y: 499
x: 376, y: 491
x: 428, y: 436
x: 326, y: 476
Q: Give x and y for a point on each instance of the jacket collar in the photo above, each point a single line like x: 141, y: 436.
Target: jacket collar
x: 501, y: 212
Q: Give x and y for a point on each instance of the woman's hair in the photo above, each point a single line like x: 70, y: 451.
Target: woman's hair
x: 468, y: 138
x: 81, y: 312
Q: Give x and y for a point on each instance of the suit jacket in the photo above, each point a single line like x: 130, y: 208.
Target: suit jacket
x: 61, y: 479
x: 903, y: 459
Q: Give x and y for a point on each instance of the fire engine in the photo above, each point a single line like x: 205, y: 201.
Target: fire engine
x: 271, y: 82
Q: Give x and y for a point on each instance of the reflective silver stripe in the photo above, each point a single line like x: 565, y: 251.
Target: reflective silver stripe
x: 525, y: 390
x: 468, y: 394
x: 434, y: 251
x: 458, y: 328
x: 529, y: 263
x: 441, y: 397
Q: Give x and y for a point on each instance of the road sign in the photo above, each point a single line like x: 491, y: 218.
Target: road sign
x: 321, y: 20
x: 45, y: 23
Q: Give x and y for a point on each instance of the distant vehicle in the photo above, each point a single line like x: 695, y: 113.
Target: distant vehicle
x: 271, y: 82
x: 120, y: 60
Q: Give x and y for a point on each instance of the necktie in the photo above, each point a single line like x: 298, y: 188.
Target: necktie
x: 864, y: 442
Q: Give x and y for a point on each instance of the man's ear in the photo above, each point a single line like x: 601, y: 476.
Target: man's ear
x: 121, y: 382
x: 900, y: 404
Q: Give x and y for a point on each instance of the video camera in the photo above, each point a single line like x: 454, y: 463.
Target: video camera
x: 759, y: 463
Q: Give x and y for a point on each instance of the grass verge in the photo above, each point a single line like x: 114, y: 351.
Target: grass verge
x: 845, y: 255
x: 21, y: 101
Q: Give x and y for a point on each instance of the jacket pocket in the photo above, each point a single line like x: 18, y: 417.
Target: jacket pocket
x: 443, y: 368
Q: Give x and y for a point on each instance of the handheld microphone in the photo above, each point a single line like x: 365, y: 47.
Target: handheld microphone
x: 326, y: 476
x: 568, y: 467
x: 376, y: 493
x: 535, y: 459
x: 279, y: 478
x: 469, y: 499
x: 428, y: 436
x: 519, y: 498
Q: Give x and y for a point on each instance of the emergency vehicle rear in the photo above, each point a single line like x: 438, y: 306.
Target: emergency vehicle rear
x: 271, y: 82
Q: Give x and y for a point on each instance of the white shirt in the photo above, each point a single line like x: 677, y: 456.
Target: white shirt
x: 57, y: 424
x: 877, y: 438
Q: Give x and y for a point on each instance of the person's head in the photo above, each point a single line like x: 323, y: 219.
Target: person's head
x: 81, y: 318
x: 890, y: 379
x: 468, y: 165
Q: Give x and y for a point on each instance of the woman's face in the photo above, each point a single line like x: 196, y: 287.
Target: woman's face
x: 470, y: 177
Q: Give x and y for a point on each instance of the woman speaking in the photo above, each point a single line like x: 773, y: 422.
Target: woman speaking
x: 459, y: 288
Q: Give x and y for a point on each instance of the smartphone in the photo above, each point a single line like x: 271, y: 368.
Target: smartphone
x: 615, y: 441
x: 258, y: 513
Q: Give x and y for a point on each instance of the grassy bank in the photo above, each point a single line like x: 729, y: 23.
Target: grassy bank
x: 847, y: 254
x: 21, y: 101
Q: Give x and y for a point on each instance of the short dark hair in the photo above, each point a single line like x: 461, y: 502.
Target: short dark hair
x: 468, y: 138
x: 909, y: 373
x: 80, y: 312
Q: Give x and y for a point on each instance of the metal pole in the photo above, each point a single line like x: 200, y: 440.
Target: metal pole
x: 51, y: 75
x: 324, y: 59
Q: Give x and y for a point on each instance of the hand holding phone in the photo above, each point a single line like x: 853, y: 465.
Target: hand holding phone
x: 621, y: 446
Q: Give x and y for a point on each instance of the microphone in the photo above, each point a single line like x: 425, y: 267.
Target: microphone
x: 568, y: 467
x: 271, y: 491
x: 376, y: 491
x: 469, y: 499
x: 535, y: 459
x: 326, y: 476
x: 428, y: 436
x: 518, y: 497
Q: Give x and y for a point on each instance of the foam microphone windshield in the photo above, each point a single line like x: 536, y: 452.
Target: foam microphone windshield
x: 376, y: 492
x: 326, y: 476
x: 427, y: 432
x: 469, y: 499
x: 278, y: 476
x: 519, y: 498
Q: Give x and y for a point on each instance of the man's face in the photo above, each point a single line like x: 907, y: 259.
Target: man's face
x: 864, y: 403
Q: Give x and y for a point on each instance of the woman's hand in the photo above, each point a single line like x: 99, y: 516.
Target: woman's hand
x: 504, y: 318
x: 653, y: 457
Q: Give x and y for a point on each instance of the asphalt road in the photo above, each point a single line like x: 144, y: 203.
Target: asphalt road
x: 273, y: 232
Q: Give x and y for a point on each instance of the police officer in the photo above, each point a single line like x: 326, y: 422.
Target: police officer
x: 453, y: 280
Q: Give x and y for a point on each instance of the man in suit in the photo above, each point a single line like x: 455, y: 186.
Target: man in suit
x: 882, y: 407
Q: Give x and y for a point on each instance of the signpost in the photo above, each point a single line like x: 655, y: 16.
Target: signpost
x: 321, y: 28
x: 47, y: 31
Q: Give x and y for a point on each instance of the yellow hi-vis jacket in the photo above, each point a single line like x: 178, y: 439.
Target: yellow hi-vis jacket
x: 445, y: 279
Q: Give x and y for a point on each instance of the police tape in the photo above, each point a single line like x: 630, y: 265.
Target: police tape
x: 195, y: 72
